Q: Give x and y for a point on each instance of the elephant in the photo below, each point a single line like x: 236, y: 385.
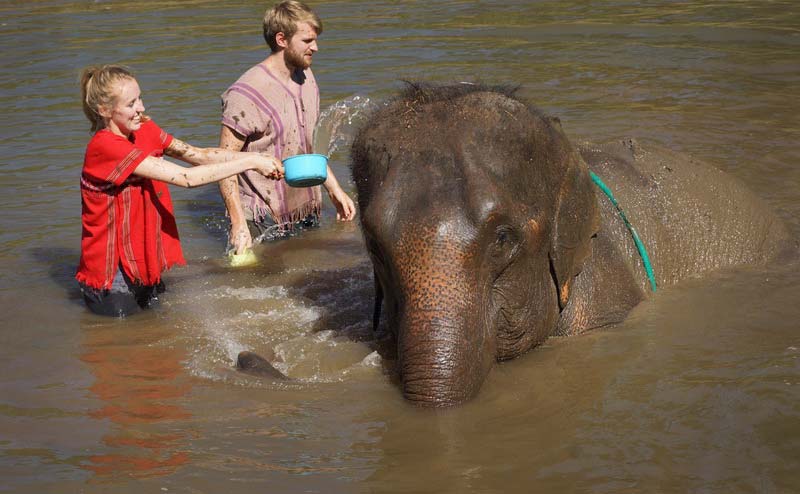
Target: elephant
x: 489, y: 231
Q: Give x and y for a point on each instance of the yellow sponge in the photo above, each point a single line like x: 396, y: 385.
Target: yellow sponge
x: 241, y: 260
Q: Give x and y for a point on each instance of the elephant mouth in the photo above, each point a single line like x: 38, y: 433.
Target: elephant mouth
x: 442, y: 371
x: 433, y: 392
x: 432, y: 395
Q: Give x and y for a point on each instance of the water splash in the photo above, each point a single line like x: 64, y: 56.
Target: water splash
x: 312, y: 338
x: 339, y: 122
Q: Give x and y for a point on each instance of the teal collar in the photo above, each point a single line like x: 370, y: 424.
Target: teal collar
x: 639, y: 245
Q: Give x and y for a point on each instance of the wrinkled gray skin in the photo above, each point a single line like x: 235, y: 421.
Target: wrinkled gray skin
x: 256, y: 365
x: 487, y: 235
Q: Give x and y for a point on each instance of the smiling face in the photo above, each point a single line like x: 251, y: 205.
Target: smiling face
x: 300, y: 48
x: 125, y: 116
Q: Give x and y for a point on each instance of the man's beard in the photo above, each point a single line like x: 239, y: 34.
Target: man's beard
x: 295, y: 60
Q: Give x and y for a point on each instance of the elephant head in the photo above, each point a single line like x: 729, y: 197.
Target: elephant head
x: 477, y: 214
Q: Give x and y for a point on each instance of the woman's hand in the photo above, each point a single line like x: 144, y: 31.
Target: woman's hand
x: 268, y: 165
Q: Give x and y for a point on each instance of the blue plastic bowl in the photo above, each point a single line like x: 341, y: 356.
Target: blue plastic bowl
x: 306, y: 170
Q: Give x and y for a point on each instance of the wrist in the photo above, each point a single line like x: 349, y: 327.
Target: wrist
x: 331, y: 186
x: 237, y: 221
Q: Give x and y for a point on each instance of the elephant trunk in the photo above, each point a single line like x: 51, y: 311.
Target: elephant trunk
x: 445, y: 349
x: 443, y: 359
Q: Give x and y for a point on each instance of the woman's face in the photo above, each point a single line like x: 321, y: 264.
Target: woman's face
x: 126, y: 114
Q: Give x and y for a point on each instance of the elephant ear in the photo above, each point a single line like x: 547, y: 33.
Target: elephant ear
x: 576, y: 221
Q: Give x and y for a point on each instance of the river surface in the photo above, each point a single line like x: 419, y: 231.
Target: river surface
x: 697, y: 392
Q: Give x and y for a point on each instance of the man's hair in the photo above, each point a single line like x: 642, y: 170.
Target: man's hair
x: 284, y: 18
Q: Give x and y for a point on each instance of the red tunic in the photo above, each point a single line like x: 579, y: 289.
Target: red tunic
x: 126, y: 219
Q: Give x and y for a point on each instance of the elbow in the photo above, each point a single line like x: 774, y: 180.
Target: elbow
x: 185, y: 180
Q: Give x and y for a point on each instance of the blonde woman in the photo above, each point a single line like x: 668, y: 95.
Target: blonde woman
x: 129, y: 236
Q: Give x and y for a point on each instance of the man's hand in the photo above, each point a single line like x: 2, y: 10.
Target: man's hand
x: 240, y: 238
x: 345, y: 208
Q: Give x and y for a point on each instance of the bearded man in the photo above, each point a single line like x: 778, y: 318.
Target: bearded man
x: 273, y: 108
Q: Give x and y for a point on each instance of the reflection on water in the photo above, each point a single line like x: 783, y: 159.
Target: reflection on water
x: 140, y: 384
x: 699, y: 391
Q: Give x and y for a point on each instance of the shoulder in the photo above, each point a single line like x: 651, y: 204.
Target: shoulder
x: 104, y: 140
x: 149, y: 127
x: 150, y: 134
x: 257, y: 71
x: 254, y: 87
x: 110, y: 158
x: 254, y: 76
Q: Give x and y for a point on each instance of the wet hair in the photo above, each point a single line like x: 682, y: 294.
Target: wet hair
x: 97, y: 89
x: 284, y: 18
x: 427, y: 92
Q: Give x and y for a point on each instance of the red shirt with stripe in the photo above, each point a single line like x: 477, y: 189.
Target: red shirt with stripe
x: 126, y: 219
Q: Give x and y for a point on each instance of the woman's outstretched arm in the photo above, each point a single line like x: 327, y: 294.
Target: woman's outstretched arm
x: 201, y: 156
x: 166, y: 171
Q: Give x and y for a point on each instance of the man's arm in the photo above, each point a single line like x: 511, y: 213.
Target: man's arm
x: 345, y: 208
x: 240, y: 237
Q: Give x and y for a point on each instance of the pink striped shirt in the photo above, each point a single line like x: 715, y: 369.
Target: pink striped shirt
x: 278, y: 119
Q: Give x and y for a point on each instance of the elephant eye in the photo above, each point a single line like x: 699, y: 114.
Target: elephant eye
x: 507, y: 242
x: 505, y: 235
x: 505, y: 248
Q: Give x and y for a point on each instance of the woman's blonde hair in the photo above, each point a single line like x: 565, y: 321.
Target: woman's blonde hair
x: 284, y: 18
x: 97, y: 89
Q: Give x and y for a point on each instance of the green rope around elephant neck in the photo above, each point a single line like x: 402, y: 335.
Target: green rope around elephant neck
x: 639, y: 245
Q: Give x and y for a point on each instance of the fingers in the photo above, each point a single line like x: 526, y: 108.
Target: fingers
x: 275, y: 168
x: 279, y: 172
x: 270, y: 166
x: 345, y: 208
x: 247, y: 243
x: 241, y: 240
x: 350, y: 208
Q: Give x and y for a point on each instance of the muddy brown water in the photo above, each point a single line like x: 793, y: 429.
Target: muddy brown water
x: 698, y: 391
